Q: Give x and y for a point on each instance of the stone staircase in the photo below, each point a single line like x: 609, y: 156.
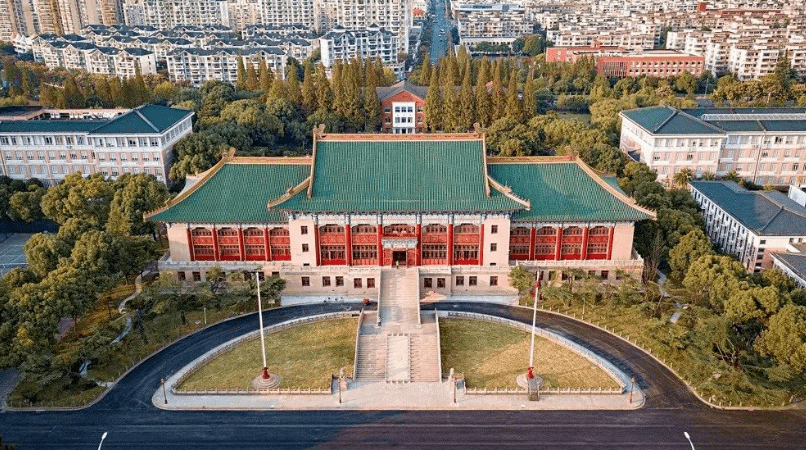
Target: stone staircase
x: 404, y: 347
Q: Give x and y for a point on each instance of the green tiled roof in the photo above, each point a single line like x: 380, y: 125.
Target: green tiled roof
x: 399, y: 176
x: 147, y: 119
x: 237, y: 193
x: 767, y: 213
x: 563, y: 192
x: 668, y: 120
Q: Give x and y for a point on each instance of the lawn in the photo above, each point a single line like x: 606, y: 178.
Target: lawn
x: 304, y: 357
x: 491, y: 355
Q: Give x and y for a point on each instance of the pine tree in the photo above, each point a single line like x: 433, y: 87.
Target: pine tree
x: 484, y: 71
x: 308, y: 92
x: 46, y: 95
x: 433, y: 104
x: 324, y: 96
x: 463, y: 59
x: 467, y: 101
x: 337, y: 87
x: 72, y: 94
x: 453, y: 70
x: 241, y: 81
x: 425, y: 72
x: 252, y: 82
x: 372, y: 106
x: 266, y: 77
x: 513, y: 104
x: 483, y: 106
x: 529, y: 100
x: 499, y: 100
x: 103, y: 90
x: 116, y: 91
x: 352, y: 96
x: 293, y: 91
x: 451, y: 114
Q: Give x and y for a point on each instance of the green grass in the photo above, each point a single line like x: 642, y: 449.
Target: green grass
x: 304, y: 357
x: 491, y: 355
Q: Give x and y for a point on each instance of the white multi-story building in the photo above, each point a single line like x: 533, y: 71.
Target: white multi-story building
x: 762, y: 145
x: 749, y: 224
x: 394, y: 16
x: 164, y: 14
x: 137, y: 141
x: 86, y: 56
x: 198, y: 66
x: 289, y: 12
x: 497, y: 23
x: 373, y: 42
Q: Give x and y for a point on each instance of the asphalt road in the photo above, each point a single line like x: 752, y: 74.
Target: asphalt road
x: 439, y: 38
x: 132, y: 422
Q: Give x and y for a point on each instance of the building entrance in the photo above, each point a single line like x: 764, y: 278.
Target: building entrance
x: 399, y: 258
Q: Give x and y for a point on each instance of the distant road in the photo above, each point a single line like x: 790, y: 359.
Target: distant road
x: 127, y: 414
x: 439, y: 32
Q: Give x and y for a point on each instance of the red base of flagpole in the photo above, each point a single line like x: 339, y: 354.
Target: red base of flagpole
x: 530, y: 374
x: 265, y: 373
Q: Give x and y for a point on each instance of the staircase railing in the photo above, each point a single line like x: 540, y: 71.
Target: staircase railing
x: 357, y: 338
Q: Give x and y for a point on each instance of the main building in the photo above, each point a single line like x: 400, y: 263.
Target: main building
x: 330, y: 222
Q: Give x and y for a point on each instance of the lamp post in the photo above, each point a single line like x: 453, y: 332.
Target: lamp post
x: 262, y: 338
x: 103, y: 436
x: 534, y: 320
x: 685, y: 433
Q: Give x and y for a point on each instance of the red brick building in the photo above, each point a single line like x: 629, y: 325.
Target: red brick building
x: 402, y: 108
x: 653, y: 63
x: 573, y: 54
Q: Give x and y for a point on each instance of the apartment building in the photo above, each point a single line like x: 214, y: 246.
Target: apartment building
x: 653, y: 63
x: 752, y: 225
x: 484, y: 22
x: 198, y: 65
x: 136, y: 141
x: 278, y: 13
x: 164, y: 14
x: 762, y: 145
x: 89, y: 57
x: 374, y: 42
x: 394, y: 16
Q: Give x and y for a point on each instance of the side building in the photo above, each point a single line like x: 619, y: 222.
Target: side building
x: 330, y: 223
x: 137, y: 141
x: 402, y: 108
x: 751, y: 225
x: 372, y: 42
x: 762, y: 145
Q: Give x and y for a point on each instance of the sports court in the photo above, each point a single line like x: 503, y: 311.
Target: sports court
x: 11, y: 254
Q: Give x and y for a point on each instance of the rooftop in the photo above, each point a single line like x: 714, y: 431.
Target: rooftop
x: 766, y: 213
x: 386, y: 92
x: 146, y: 119
x: 668, y: 120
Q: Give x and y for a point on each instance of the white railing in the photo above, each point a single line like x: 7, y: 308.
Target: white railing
x: 621, y: 378
x: 357, y: 337
x: 557, y: 390
x: 439, y: 344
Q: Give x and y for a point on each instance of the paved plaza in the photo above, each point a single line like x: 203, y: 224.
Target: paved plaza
x: 11, y: 254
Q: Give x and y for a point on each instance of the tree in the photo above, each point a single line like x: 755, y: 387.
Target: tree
x: 466, y: 101
x: 263, y: 127
x: 529, y: 100
x: 309, y: 103
x: 499, y: 99
x: 138, y: 194
x: 324, y: 96
x: 193, y: 154
x: 785, y: 337
x: 513, y: 104
x: 372, y: 108
x: 241, y: 74
x: 483, y: 105
x: 690, y: 248
x: 266, y: 77
x: 522, y: 280
x: 753, y: 304
x: 714, y: 278
x: 433, y: 104
x: 87, y: 198
x: 25, y: 206
x: 252, y: 81
x: 682, y: 177
x: 43, y: 251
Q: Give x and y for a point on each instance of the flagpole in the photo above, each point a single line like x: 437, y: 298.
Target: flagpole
x: 262, y: 338
x: 534, y: 320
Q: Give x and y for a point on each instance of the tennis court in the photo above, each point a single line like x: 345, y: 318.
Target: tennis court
x: 11, y: 254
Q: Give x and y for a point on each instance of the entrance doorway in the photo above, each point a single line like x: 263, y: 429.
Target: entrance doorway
x: 399, y: 258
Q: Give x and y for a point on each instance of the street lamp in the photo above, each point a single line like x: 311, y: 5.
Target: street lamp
x: 103, y: 436
x: 534, y: 320
x: 685, y: 433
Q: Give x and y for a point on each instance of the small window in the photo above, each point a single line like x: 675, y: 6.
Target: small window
x: 325, y: 281
x: 440, y: 282
x: 460, y: 280
x: 370, y: 282
x: 304, y: 248
x: 762, y: 242
x: 428, y: 282
x: 357, y: 283
x: 493, y: 247
x: 493, y: 229
x: 339, y: 281
x: 196, y: 276
x: 306, y: 281
x: 303, y: 229
x: 181, y: 276
x: 493, y: 280
x: 473, y: 281
x: 262, y: 276
x: 605, y: 274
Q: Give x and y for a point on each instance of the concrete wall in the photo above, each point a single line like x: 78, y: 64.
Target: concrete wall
x: 622, y: 241
x: 298, y: 257
x: 178, y: 242
x: 499, y: 257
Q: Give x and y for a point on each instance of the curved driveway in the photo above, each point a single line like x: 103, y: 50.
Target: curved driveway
x: 132, y: 422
